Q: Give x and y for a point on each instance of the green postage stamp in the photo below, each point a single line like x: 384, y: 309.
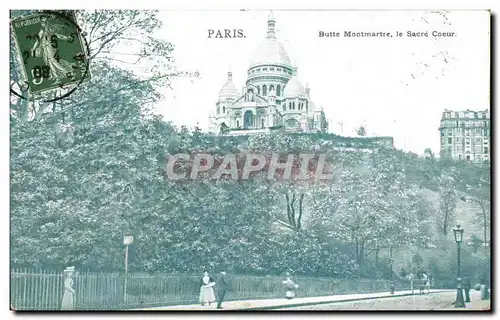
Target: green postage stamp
x: 51, y: 49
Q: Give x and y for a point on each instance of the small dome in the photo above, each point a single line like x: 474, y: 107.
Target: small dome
x: 229, y: 90
x: 294, y: 88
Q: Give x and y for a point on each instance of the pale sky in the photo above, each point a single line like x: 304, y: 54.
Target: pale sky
x: 394, y: 86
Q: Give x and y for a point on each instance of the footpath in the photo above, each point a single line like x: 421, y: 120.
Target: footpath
x: 269, y: 304
x: 476, y: 304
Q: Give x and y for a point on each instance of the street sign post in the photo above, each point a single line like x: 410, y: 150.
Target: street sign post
x: 127, y: 240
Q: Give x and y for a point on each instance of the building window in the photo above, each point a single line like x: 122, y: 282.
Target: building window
x: 460, y: 157
x: 456, y: 114
x: 223, y: 109
x: 450, y: 140
x: 278, y: 69
x: 450, y: 132
x: 293, y: 105
x: 271, y: 69
x: 289, y: 106
x: 485, y: 149
x: 264, y: 90
x: 262, y: 123
x: 258, y: 90
x: 278, y: 90
x: 467, y: 132
x: 237, y: 123
x: 442, y: 133
x: 284, y: 106
x: 467, y: 141
x: 468, y: 157
x: 264, y: 69
x: 271, y: 87
x: 258, y: 69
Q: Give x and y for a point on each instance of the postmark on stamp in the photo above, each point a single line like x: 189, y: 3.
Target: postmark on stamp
x: 53, y: 52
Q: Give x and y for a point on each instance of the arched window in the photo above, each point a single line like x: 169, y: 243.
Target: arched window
x: 262, y: 123
x: 223, y: 109
x: 289, y: 106
x: 248, y: 119
x: 278, y: 91
x: 237, y: 123
x: 293, y: 105
x: 264, y: 90
x: 258, y: 90
x: 271, y: 87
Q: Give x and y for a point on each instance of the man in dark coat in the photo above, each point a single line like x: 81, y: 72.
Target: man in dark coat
x: 221, y: 285
x: 466, y: 285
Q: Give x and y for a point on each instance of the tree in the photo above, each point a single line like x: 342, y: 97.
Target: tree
x: 447, y: 202
x: 429, y: 154
x: 361, y: 131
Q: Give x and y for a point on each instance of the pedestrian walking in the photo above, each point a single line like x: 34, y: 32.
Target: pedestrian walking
x: 467, y: 286
x: 426, y: 282
x: 68, y: 300
x: 290, y: 287
x: 207, y: 294
x: 222, y: 286
x: 484, y: 289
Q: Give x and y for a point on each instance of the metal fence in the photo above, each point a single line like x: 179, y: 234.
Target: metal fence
x: 43, y: 290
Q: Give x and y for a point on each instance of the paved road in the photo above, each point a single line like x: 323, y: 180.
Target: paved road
x: 263, y: 304
x: 435, y: 301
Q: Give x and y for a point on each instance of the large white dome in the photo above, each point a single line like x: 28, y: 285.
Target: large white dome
x: 270, y: 51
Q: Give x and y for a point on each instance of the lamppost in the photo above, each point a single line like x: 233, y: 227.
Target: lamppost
x: 458, y: 233
x: 391, y: 283
x: 127, y: 240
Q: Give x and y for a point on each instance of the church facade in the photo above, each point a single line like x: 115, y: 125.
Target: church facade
x: 272, y: 98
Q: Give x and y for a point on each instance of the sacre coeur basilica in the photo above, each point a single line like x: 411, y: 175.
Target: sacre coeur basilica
x: 272, y: 98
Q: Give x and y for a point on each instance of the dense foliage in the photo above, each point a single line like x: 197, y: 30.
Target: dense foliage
x: 90, y: 169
